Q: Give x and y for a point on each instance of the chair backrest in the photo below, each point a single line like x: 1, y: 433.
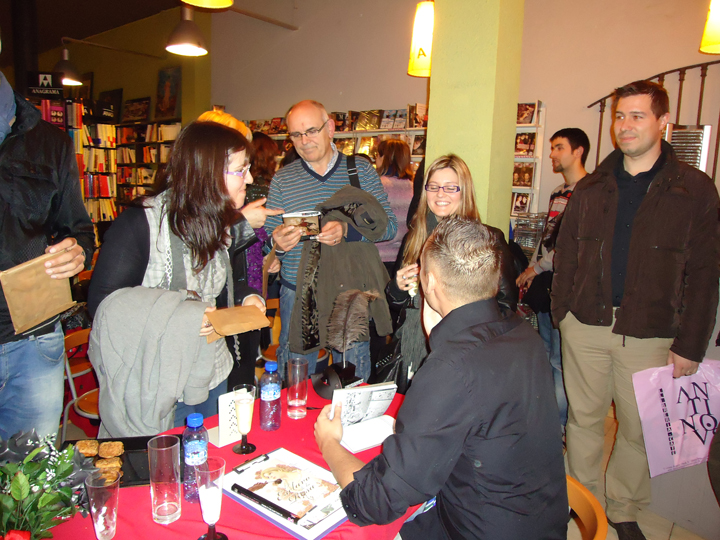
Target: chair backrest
x: 591, y: 521
x: 81, y: 337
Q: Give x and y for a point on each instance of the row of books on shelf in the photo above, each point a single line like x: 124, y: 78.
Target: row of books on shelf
x: 148, y: 133
x: 129, y: 192
x: 99, y: 159
x: 98, y: 185
x: 74, y: 114
x: 136, y: 175
x: 415, y: 116
x: 369, y: 145
x: 149, y: 154
x: 101, y: 209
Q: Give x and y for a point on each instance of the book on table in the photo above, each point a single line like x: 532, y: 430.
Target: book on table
x: 365, y: 424
x: 298, y: 496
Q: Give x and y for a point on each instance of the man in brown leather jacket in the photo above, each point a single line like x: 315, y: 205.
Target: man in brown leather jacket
x: 635, y: 287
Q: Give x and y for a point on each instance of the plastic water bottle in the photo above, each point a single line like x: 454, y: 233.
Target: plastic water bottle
x: 270, y: 410
x: 195, y: 443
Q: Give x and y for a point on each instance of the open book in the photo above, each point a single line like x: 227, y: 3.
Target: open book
x: 296, y: 495
x: 365, y: 424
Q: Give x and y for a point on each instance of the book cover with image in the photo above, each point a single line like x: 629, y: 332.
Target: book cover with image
x: 368, y: 120
x: 388, y: 119
x: 523, y: 175
x: 296, y: 495
x: 525, y: 145
x: 526, y: 113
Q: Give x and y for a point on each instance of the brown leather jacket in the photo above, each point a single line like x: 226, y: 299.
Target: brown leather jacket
x: 671, y: 284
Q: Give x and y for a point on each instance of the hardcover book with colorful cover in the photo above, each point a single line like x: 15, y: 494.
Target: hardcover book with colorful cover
x: 298, y: 496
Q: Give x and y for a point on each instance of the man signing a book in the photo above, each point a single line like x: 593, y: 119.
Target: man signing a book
x: 477, y: 437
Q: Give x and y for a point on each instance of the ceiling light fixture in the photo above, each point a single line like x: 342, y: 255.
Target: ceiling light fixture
x: 710, y: 43
x: 210, y: 4
x: 70, y: 74
x: 421, y: 46
x: 186, y: 39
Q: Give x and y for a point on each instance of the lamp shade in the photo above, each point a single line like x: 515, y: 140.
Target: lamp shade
x: 187, y: 40
x: 422, y: 36
x: 711, y: 36
x: 210, y: 4
x: 69, y: 71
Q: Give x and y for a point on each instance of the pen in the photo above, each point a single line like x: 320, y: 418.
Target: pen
x: 267, y: 505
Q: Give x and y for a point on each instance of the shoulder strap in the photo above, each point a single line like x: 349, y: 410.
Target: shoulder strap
x: 353, y: 172
x: 178, y: 280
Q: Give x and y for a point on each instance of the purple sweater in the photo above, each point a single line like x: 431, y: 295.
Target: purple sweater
x: 400, y: 193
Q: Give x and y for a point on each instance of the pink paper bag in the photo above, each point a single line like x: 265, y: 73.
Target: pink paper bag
x: 678, y: 416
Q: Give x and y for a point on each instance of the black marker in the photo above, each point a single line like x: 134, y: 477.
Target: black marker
x: 267, y: 505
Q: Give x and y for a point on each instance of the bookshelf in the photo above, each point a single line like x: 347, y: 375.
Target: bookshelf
x: 529, y: 151
x: 142, y: 148
x: 99, y: 172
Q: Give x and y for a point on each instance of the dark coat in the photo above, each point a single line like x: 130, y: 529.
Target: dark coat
x: 326, y: 271
x: 671, y: 283
x: 40, y: 199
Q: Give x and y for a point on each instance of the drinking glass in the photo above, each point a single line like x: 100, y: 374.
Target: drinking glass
x: 165, y: 483
x: 244, y: 396
x: 209, y: 481
x: 103, y: 489
x: 297, y: 388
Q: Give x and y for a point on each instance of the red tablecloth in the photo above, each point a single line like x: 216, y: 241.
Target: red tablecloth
x: 236, y: 521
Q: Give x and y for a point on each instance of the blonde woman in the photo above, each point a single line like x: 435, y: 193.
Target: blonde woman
x: 448, y: 191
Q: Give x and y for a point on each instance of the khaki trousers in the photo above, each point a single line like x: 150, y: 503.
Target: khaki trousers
x: 598, y: 367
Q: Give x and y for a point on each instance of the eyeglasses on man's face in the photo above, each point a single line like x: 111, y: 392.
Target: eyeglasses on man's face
x: 434, y: 188
x: 241, y: 173
x: 310, y: 133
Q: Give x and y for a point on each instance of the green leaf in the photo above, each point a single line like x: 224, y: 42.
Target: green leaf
x: 31, y: 469
x: 7, y: 503
x: 32, y: 454
x: 48, y: 499
x: 10, y: 469
x: 20, y: 487
x: 63, y: 470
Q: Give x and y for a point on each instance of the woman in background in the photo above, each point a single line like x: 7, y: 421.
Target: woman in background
x: 197, y: 219
x: 448, y: 190
x: 393, y: 165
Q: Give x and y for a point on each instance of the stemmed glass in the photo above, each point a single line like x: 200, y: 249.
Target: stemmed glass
x: 209, y: 481
x: 244, y: 396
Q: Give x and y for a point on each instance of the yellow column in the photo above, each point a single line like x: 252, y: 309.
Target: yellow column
x: 473, y: 95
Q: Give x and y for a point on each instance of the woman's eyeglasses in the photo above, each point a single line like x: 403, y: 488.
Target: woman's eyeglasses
x: 241, y: 173
x: 310, y: 133
x: 447, y: 189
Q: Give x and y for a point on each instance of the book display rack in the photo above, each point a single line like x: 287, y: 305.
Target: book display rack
x: 529, y: 142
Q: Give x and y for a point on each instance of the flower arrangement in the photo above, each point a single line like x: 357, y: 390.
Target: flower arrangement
x: 39, y: 486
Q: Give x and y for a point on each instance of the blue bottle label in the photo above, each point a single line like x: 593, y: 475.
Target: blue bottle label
x: 270, y: 392
x: 195, y: 453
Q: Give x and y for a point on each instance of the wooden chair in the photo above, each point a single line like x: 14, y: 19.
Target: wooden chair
x: 85, y: 405
x: 591, y: 519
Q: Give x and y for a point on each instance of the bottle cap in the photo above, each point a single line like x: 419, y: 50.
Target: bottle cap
x: 195, y: 420
x: 270, y: 366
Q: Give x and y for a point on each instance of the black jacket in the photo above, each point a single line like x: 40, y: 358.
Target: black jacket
x: 671, y: 283
x: 40, y: 199
x: 479, y: 430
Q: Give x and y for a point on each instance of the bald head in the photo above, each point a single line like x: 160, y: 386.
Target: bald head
x: 311, y: 133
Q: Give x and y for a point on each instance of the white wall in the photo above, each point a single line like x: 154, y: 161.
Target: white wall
x: 577, y: 51
x: 347, y: 54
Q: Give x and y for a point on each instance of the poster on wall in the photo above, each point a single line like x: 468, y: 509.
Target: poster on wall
x: 136, y: 110
x: 167, y: 104
x: 113, y: 97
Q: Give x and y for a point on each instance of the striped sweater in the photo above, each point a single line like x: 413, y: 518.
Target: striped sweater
x: 298, y: 188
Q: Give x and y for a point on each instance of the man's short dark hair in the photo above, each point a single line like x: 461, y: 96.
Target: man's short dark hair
x: 466, y: 260
x: 660, y: 104
x: 577, y: 139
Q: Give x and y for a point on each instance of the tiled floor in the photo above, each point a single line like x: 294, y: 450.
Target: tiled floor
x: 654, y: 526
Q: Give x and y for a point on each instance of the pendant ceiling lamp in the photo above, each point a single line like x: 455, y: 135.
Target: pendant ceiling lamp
x: 186, y: 39
x: 210, y: 4
x: 711, y: 36
x: 421, y: 46
x: 69, y: 71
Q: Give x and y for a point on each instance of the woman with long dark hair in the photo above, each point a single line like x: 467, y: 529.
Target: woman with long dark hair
x: 185, y: 236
